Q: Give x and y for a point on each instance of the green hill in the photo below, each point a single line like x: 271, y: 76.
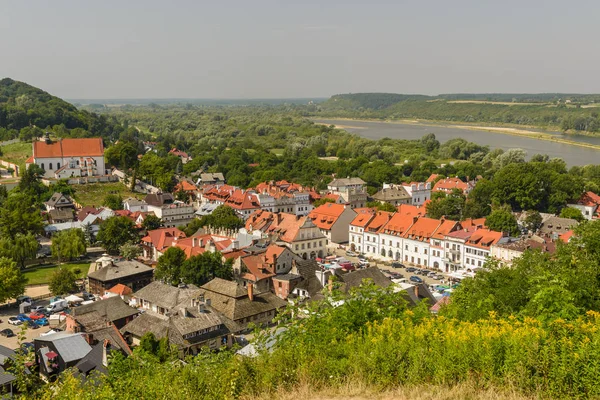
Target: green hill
x: 374, y: 101
x: 25, y: 110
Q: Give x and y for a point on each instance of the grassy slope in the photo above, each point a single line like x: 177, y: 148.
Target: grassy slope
x: 93, y: 194
x: 41, y: 274
x: 17, y: 153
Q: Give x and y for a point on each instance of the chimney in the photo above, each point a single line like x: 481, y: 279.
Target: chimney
x: 330, y: 284
x: 251, y: 292
x: 104, y: 356
x: 89, y: 338
x: 416, y: 291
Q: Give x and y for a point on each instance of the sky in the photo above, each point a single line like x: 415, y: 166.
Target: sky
x: 231, y: 49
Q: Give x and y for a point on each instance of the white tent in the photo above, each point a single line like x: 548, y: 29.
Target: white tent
x: 73, y: 299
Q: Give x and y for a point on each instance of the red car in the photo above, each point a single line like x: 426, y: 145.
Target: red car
x: 36, y: 315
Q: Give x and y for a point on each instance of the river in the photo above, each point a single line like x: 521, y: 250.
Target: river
x: 573, y: 155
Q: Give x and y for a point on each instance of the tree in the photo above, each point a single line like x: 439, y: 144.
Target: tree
x: 450, y: 206
x: 20, y: 249
x: 115, y: 232
x: 62, y: 281
x: 151, y: 222
x: 68, y: 244
x: 169, y: 267
x: 202, y: 268
x: 381, y: 206
x: 113, y: 201
x: 573, y: 213
x: 222, y: 217
x: 502, y: 220
x: 88, y: 233
x: 533, y: 220
x: 19, y: 215
x: 321, y: 201
x: 12, y: 281
x: 130, y: 251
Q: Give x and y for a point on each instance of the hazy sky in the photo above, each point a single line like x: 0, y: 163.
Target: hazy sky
x: 304, y: 48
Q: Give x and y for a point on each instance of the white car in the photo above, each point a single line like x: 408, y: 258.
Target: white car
x: 14, y: 321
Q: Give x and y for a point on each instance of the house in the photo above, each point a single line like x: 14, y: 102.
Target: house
x: 283, y: 196
x: 124, y: 292
x: 507, y: 249
x: 208, y: 178
x: 7, y: 379
x: 437, y: 244
x: 241, y: 305
x: 589, y: 205
x: 106, y: 273
x: 135, y: 205
x: 182, y: 315
x: 371, y: 240
x: 185, y: 157
x: 261, y: 267
x: 393, y: 194
x: 69, y: 157
x: 59, y: 216
x: 300, y: 234
x: 333, y: 221
x: 310, y: 287
x: 416, y: 241
x: 87, y: 217
x: 355, y: 278
x: 553, y: 227
x: 171, y: 212
x: 351, y: 189
x: 357, y: 227
x: 447, y: 185
x: 244, y: 202
x: 477, y: 248
x: 420, y: 192
x: 59, y: 201
x: 157, y: 241
x: 59, y: 351
x: 391, y: 235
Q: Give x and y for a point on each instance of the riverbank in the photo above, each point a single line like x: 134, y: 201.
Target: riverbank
x: 506, y: 130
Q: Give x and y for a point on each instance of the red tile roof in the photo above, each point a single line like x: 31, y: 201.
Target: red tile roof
x: 178, y: 153
x: 263, y: 265
x: 413, y: 211
x: 197, y: 244
x: 364, y: 215
x: 242, y: 200
x: 398, y: 224
x: 283, y: 224
x: 483, y: 238
x: 566, y: 237
x: 432, y: 177
x: 380, y: 219
x: 445, y: 228
x: 162, y: 238
x: 422, y: 229
x: 80, y: 147
x: 448, y: 184
x: 326, y: 215
x: 470, y: 223
x: 29, y: 160
x: 185, y: 186
x: 120, y: 289
x: 589, y: 199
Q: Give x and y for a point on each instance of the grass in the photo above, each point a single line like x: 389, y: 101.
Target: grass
x: 277, y: 152
x: 93, y: 194
x: 41, y: 274
x: 17, y: 153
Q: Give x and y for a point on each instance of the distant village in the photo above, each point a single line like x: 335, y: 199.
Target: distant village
x: 297, y: 245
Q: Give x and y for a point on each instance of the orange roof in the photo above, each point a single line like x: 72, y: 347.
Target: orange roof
x: 484, y: 238
x: 29, y: 160
x: 162, y: 238
x: 242, y: 200
x: 422, y: 229
x: 380, y: 219
x: 589, y: 199
x: 178, y: 153
x: 196, y: 245
x: 473, y: 223
x: 326, y: 215
x: 185, y: 186
x: 120, y: 289
x: 233, y: 254
x: 432, y: 177
x: 283, y: 224
x: 566, y: 237
x: 263, y: 265
x: 398, y: 224
x: 446, y: 185
x: 364, y: 215
x: 445, y: 228
x: 413, y: 211
x: 80, y: 147
x: 332, y: 196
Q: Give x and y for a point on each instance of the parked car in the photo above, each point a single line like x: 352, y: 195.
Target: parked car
x: 56, y: 306
x: 396, y: 275
x: 411, y: 269
x: 7, y: 332
x: 431, y: 274
x: 24, y: 299
x: 23, y: 318
x: 416, y: 279
x: 350, y: 253
x: 363, y: 263
x: 438, y: 277
x: 27, y: 347
x: 32, y: 325
x: 39, y: 309
x: 14, y: 321
x: 36, y: 315
x: 87, y: 296
x: 41, y: 321
x: 423, y: 272
x: 362, y: 257
x: 396, y: 264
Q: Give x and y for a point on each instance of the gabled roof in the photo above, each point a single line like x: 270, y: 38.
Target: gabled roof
x: 355, y: 278
x: 391, y: 194
x: 159, y: 199
x: 185, y: 186
x: 398, y: 224
x: 69, y: 147
x: 470, y: 223
x: 483, y: 238
x: 346, y: 181
x: 410, y: 210
x: 119, y: 270
x: 70, y: 346
x: 164, y: 295
x: 363, y: 217
x: 163, y: 237
x: 566, y: 237
x: 589, y: 199
x: 326, y: 215
x: 113, y: 309
x: 379, y: 220
x: 285, y: 225
x: 120, y: 289
x: 226, y: 288
x: 263, y: 265
x: 56, y: 197
x: 243, y: 200
x: 445, y: 228
x: 422, y: 229
x: 447, y: 184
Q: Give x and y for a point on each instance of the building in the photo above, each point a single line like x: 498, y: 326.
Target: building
x: 106, y: 273
x: 59, y: 201
x: 477, y: 248
x: 283, y: 196
x: 447, y: 185
x: 391, y: 235
x: 244, y: 202
x: 69, y: 157
x: 182, y: 315
x: 393, y: 194
x: 553, y: 227
x: 299, y: 234
x: 7, y: 380
x: 157, y: 241
x: 508, y: 249
x: 172, y: 213
x: 333, y: 221
x: 589, y: 205
x: 258, y: 268
x: 89, y: 318
x: 208, y: 178
x: 59, y: 351
x: 371, y: 239
x: 185, y: 157
x: 241, y: 305
x: 132, y: 204
x: 351, y: 189
x: 416, y: 241
x: 420, y: 192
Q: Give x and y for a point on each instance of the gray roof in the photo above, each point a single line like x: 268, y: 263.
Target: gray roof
x: 355, y: 278
x: 164, y: 295
x: 92, y: 360
x: 5, y: 377
x: 132, y: 201
x: 70, y: 346
x: 226, y: 288
x: 147, y: 322
x: 159, y: 199
x: 346, y: 182
x: 111, y: 309
x: 111, y: 333
x: 557, y: 224
x: 55, y: 199
x: 61, y: 214
x: 419, y: 292
x: 119, y: 270
x: 287, y: 277
x: 212, y: 177
x: 390, y: 194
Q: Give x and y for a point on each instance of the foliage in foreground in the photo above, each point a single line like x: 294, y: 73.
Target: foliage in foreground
x: 375, y: 341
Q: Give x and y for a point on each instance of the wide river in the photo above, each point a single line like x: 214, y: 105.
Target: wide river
x: 573, y: 155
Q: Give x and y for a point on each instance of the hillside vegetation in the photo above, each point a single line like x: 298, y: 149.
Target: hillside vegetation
x: 579, y: 114
x: 25, y: 111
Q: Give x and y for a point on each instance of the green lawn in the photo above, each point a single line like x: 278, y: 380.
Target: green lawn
x: 92, y: 194
x: 17, y: 153
x: 41, y: 274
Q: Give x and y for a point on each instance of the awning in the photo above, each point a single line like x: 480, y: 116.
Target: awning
x: 51, y: 355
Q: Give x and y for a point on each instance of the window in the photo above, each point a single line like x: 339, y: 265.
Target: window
x: 57, y: 165
x: 406, y: 247
x: 43, y: 166
x: 50, y: 166
x: 416, y: 249
x: 479, y: 263
x: 425, y: 251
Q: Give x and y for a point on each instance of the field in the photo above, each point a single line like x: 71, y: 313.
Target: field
x: 17, y: 153
x: 41, y: 274
x: 505, y: 103
x: 92, y: 194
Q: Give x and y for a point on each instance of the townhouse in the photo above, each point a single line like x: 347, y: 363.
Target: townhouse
x: 333, y: 221
x: 371, y: 234
x: 589, y: 205
x: 352, y: 190
x: 419, y: 192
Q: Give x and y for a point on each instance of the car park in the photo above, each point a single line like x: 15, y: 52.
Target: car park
x: 40, y: 309
x: 36, y: 315
x: 416, y: 279
x: 32, y: 325
x: 14, y: 321
x: 23, y: 318
x: 7, y: 332
x: 411, y: 269
x: 41, y: 322
x: 396, y: 264
x: 27, y: 347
